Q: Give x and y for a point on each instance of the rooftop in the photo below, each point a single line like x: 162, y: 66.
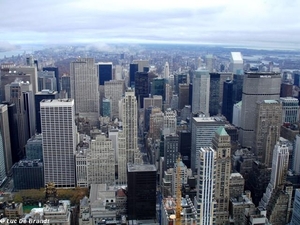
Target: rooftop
x: 237, y: 57
x: 140, y: 167
x: 221, y: 131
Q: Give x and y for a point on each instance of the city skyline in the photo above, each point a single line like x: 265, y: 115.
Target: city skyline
x: 230, y: 23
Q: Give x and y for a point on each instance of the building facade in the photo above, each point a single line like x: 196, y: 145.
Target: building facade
x: 59, y: 141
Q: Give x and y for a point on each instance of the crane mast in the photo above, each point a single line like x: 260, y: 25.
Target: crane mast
x: 178, y: 193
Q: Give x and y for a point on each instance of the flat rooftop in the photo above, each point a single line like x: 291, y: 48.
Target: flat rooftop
x: 140, y: 167
x: 237, y: 57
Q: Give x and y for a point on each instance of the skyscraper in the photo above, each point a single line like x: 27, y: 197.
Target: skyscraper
x: 183, y: 96
x: 214, y: 94
x: 290, y: 110
x: 114, y: 90
x: 170, y: 150
x: 267, y: 129
x: 130, y: 124
x: 21, y: 95
x: 228, y: 102
x: 203, y: 131
x: 296, y: 209
x: 105, y: 72
x: 205, y: 198
x: 47, y: 80
x: 222, y: 146
x: 141, y: 189
x: 166, y: 71
x: 133, y: 68
x: 201, y: 83
x: 5, y: 138
x: 158, y: 87
x: 236, y: 63
x: 66, y: 85
x: 2, y: 161
x: 256, y: 87
x: 59, y: 141
x: 84, y: 88
x: 56, y: 74
x: 141, y: 87
x: 39, y: 96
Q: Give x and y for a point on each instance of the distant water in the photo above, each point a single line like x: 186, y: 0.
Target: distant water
x: 13, y: 53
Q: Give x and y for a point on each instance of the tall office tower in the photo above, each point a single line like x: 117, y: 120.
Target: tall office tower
x: 141, y: 192
x: 29, y: 60
x: 201, y: 92
x: 237, y: 114
x: 267, y: 129
x: 222, y: 146
x: 101, y: 161
x: 236, y: 63
x: 205, y: 198
x: 286, y: 90
x: 170, y: 150
x: 34, y: 147
x: 155, y: 101
x: 2, y: 161
x: 118, y: 72
x: 84, y: 88
x: 39, y: 96
x: 203, y: 131
x: 156, y: 123
x: 47, y: 80
x: 143, y: 65
x: 182, y: 78
x: 166, y: 71
x: 256, y: 87
x: 183, y: 96
x: 133, y: 68
x: 296, y: 78
x: 209, y: 62
x: 296, y: 155
x: 227, y: 102
x: 223, y: 77
x: 238, y: 82
x: 170, y: 122
x: 113, y: 135
x: 141, y: 87
x: 25, y: 74
x: 21, y: 95
x: 122, y: 159
x: 214, y: 94
x: 296, y: 209
x: 5, y: 138
x: 105, y: 71
x: 66, y: 84
x: 158, y: 87
x: 184, y: 145
x: 130, y: 125
x: 290, y: 110
x: 279, y: 171
x: 56, y: 74
x: 114, y: 90
x: 59, y: 141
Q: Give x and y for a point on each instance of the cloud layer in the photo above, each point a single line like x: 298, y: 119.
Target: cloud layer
x: 232, y: 22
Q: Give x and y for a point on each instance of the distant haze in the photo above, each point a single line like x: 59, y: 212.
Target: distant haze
x: 256, y: 23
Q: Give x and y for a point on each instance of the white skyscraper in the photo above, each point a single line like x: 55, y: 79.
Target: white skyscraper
x: 84, y: 88
x: 279, y: 171
x: 205, y: 200
x: 170, y: 122
x: 201, y: 85
x: 166, y: 71
x: 59, y: 141
x: 130, y: 124
x: 236, y: 63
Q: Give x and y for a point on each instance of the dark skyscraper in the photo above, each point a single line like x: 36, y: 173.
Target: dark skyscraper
x: 141, y: 87
x: 228, y: 100
x: 133, y: 68
x: 141, y: 192
x: 56, y: 74
x: 104, y: 72
x: 214, y: 94
x: 158, y: 87
x: 286, y: 90
x: 66, y: 85
x: 44, y: 94
x: 180, y: 79
x: 185, y: 145
x: 297, y: 78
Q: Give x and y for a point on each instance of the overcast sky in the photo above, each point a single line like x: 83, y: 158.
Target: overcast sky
x: 231, y: 22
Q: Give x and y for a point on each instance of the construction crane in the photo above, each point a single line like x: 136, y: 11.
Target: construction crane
x: 178, y: 193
